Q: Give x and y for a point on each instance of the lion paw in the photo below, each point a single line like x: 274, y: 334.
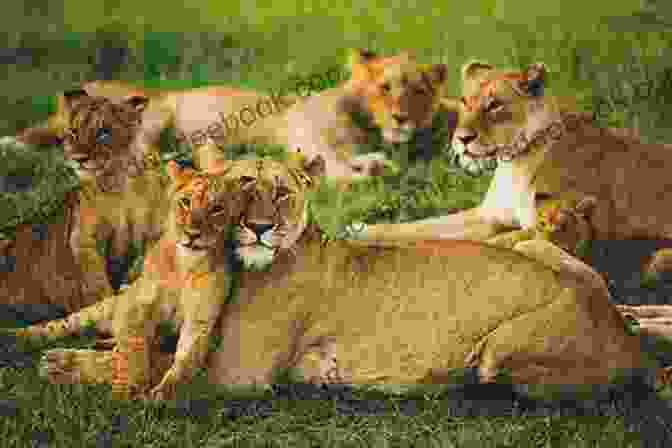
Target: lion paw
x: 71, y: 366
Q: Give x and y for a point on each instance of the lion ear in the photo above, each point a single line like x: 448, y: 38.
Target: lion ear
x: 138, y: 102
x: 474, y: 68
x: 535, y: 78
x: 72, y: 97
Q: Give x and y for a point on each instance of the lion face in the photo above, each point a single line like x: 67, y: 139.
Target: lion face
x: 502, y: 113
x: 566, y: 222
x: 98, y: 135
x: 400, y: 96
x: 263, y: 199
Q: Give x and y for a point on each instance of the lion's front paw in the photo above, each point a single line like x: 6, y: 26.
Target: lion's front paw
x: 165, y: 390
x: 71, y: 366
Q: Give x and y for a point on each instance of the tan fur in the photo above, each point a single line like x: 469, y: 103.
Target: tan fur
x: 321, y: 124
x: 398, y: 316
x: 123, y: 197
x: 186, y: 275
x: 627, y: 178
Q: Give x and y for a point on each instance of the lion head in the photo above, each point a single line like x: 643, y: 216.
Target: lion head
x: 400, y: 95
x: 263, y: 199
x: 504, y: 115
x: 566, y: 222
x: 98, y: 134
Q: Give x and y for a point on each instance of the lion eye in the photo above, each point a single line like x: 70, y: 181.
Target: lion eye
x: 386, y: 88
x: 103, y: 136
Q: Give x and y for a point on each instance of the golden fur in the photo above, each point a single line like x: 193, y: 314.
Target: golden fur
x: 123, y: 197
x: 399, y: 96
x: 187, y: 274
x: 369, y: 314
x: 499, y: 114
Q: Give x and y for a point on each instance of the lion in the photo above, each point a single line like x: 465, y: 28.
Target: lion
x: 545, y: 150
x: 398, y: 96
x: 123, y: 196
x: 187, y: 275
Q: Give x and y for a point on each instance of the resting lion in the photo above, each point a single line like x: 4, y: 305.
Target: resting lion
x: 187, y: 275
x: 399, y: 96
x: 368, y: 314
x: 546, y: 151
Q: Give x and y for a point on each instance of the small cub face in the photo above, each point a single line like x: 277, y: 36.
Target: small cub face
x: 401, y: 96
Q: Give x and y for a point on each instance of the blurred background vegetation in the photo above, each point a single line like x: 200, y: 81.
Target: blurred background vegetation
x: 614, y: 60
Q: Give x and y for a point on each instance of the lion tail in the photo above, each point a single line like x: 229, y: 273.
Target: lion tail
x: 99, y: 315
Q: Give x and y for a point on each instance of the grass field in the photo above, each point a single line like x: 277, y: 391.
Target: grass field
x: 607, y: 62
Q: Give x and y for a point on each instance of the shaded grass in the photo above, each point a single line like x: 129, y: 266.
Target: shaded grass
x: 207, y: 416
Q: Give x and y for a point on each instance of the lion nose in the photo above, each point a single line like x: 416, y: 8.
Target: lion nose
x: 466, y: 139
x: 259, y: 229
x: 400, y: 119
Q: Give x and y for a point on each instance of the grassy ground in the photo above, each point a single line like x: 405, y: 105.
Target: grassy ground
x: 602, y: 61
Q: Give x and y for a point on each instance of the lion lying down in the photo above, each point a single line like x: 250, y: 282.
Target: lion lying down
x: 361, y: 313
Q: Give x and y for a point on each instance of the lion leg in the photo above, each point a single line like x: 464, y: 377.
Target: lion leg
x: 654, y: 320
x: 318, y: 363
x: 559, y: 260
x: 508, y: 240
x: 96, y: 284
x: 135, y: 323
x: 469, y: 224
x: 118, y: 263
x: 202, y: 300
x: 70, y: 366
x: 590, y: 356
x: 660, y: 263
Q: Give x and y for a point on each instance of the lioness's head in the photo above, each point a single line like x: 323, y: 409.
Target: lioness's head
x: 97, y: 134
x: 263, y: 199
x: 503, y: 114
x: 400, y: 95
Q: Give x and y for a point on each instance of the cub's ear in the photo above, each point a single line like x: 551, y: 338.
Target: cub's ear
x: 475, y: 68
x: 535, y: 75
x: 71, y: 98
x: 316, y: 167
x: 138, y: 102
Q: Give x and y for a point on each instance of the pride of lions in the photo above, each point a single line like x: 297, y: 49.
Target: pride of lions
x: 550, y: 157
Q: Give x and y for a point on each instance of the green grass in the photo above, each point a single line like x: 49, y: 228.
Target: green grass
x: 79, y: 414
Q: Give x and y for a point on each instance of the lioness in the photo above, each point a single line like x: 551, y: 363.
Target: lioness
x: 546, y: 152
x: 187, y: 275
x: 363, y: 314
x: 400, y: 97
